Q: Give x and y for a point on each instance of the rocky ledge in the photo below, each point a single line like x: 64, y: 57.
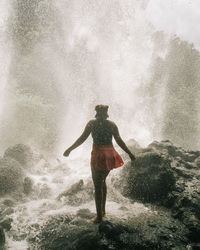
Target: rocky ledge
x: 164, y: 177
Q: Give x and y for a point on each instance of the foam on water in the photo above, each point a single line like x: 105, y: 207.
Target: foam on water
x: 36, y: 210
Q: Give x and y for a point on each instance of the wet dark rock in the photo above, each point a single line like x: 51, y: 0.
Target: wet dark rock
x: 2, y: 238
x: 20, y: 237
x: 85, y: 213
x: 197, y: 162
x: 169, y: 176
x: 28, y: 185
x: 174, y: 151
x: 21, y: 153
x: 9, y: 203
x: 186, y: 208
x: 2, y: 208
x: 75, y: 188
x: 189, y: 165
x: 164, y: 176
x: 194, y: 246
x: 69, y: 232
x: 6, y: 223
x: 149, y: 179
x: 7, y: 211
x: 11, y: 176
x: 79, y: 193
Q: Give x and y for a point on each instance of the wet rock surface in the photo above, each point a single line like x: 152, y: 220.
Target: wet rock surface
x: 2, y: 238
x: 14, y: 167
x: 164, y: 177
x: 77, y: 232
x: 11, y: 176
x: 79, y: 193
x: 149, y: 179
x: 74, y: 189
x: 169, y: 176
x: 21, y: 153
x: 28, y: 185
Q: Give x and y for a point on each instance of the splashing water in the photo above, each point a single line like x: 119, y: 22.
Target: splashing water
x: 30, y: 215
x: 68, y: 56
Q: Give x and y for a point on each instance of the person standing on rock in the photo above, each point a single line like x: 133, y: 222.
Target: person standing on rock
x: 103, y: 156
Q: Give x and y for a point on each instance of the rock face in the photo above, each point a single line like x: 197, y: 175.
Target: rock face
x: 28, y: 185
x: 21, y: 153
x: 11, y: 176
x: 79, y: 193
x: 78, y: 233
x: 13, y: 167
x: 74, y: 189
x: 169, y: 176
x: 164, y: 176
x: 2, y: 238
x: 149, y: 179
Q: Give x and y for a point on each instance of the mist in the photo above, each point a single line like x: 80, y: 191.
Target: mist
x: 58, y: 60
x: 61, y: 58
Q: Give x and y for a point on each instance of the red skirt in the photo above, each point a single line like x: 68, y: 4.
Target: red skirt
x: 105, y: 157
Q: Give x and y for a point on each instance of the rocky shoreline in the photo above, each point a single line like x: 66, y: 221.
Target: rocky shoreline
x: 164, y: 178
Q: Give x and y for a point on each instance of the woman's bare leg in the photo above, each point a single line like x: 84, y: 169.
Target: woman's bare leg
x: 100, y: 193
x: 104, y: 195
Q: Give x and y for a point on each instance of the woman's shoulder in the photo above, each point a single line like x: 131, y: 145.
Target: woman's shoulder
x: 91, y: 122
x: 111, y: 123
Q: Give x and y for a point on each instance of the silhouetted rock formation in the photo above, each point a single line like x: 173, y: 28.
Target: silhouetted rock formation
x: 21, y: 153
x: 167, y: 175
x: 149, y: 179
x: 16, y: 161
x: 11, y: 176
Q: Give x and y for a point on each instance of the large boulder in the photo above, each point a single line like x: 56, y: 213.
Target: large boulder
x: 186, y: 207
x: 169, y: 176
x: 149, y: 179
x: 11, y: 176
x: 21, y: 153
x: 172, y: 151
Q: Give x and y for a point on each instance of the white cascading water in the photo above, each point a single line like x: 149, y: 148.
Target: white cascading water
x: 86, y: 53
x: 5, y: 53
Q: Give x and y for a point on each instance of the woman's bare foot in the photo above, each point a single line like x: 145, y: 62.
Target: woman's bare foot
x: 96, y: 220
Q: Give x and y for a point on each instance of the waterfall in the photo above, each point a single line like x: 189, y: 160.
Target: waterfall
x: 5, y: 47
x: 68, y: 56
x: 108, y: 60
x: 58, y: 60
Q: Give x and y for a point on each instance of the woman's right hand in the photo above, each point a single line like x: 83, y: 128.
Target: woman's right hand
x: 67, y: 152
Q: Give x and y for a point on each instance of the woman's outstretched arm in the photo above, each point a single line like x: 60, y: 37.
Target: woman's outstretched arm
x: 121, y: 143
x: 80, y: 140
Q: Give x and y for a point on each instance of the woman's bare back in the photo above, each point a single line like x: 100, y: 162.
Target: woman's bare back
x: 102, y: 132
